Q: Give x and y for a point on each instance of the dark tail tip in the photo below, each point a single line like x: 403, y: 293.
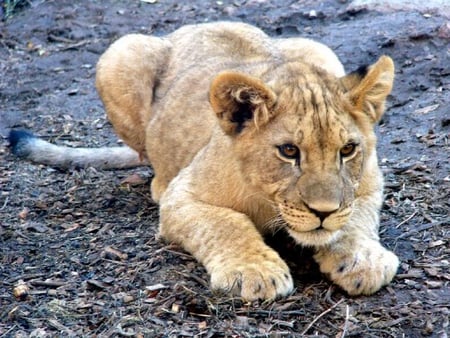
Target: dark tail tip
x: 18, y: 140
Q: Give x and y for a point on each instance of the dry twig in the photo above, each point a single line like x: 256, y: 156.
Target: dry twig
x: 320, y: 316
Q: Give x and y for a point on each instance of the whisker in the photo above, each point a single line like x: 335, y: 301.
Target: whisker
x: 275, y: 224
x: 261, y: 196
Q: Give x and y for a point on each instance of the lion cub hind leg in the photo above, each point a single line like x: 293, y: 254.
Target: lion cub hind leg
x: 227, y: 243
x: 127, y: 74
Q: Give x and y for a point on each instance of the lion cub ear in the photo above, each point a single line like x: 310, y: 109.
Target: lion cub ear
x: 240, y: 100
x: 369, y: 86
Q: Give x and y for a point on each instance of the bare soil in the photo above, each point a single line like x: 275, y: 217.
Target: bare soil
x: 79, y: 253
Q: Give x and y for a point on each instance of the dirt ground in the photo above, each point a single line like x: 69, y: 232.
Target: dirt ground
x: 81, y: 245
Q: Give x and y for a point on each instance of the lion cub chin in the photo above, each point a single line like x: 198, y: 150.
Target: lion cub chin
x: 248, y: 134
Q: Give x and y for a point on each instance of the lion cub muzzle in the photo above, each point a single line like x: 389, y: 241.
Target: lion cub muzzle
x: 321, y: 203
x: 310, y: 219
x: 319, y: 214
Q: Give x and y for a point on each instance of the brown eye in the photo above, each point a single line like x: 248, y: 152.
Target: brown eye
x: 348, y: 149
x: 289, y: 151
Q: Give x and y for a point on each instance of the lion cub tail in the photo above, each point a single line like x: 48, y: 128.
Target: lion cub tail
x: 30, y: 147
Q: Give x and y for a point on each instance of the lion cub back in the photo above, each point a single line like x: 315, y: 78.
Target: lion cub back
x: 228, y: 44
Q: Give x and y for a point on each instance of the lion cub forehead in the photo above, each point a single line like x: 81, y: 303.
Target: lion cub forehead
x: 311, y: 129
x: 307, y: 93
x: 316, y: 114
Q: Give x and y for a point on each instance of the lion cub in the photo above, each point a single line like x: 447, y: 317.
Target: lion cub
x: 248, y: 134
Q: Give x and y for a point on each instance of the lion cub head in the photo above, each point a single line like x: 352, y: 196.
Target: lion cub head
x: 305, y: 139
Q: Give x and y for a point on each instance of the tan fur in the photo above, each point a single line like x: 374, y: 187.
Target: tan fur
x: 217, y: 109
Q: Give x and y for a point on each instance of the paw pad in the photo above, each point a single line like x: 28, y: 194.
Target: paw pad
x: 258, y: 288
x: 341, y: 268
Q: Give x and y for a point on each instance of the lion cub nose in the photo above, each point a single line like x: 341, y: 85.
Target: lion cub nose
x: 322, y: 215
x: 323, y: 210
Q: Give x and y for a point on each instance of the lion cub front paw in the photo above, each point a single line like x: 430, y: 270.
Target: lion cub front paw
x: 253, y: 280
x: 363, y: 270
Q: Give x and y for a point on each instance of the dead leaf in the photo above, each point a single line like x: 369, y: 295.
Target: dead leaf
x: 96, y: 284
x: 175, y: 308
x: 127, y: 299
x: 434, y: 284
x: 37, y: 227
x: 156, y: 287
x: 444, y: 31
x: 432, y: 271
x: 24, y: 213
x: 114, y: 254
x: 436, y: 243
x: 427, y: 109
x: 72, y: 227
x: 133, y: 180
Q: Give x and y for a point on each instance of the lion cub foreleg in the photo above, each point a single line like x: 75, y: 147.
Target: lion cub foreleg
x: 357, y: 261
x: 226, y: 242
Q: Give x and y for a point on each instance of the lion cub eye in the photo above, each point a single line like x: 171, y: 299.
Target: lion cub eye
x: 289, y: 151
x: 348, y: 150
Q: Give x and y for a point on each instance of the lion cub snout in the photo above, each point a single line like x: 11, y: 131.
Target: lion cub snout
x: 323, y: 209
x: 317, y: 219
